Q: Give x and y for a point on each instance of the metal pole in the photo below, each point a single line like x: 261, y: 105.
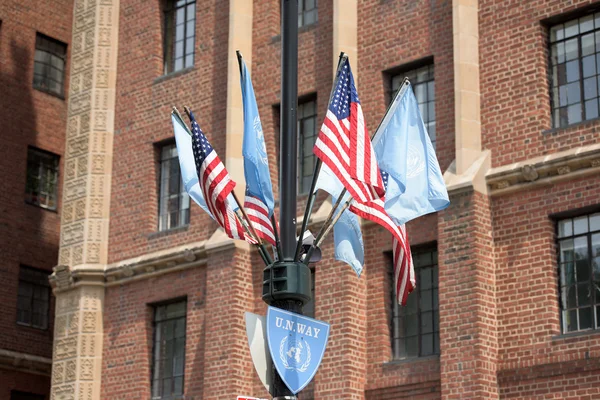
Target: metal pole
x: 289, y: 127
x: 289, y: 158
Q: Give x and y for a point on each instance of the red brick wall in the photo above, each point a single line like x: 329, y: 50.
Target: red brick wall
x: 392, y: 34
x: 128, y: 332
x: 515, y: 102
x: 566, y: 380
x: 468, y: 336
x: 143, y: 104
x: 526, y: 285
x: 29, y: 234
x: 23, y: 382
x: 498, y: 307
x: 217, y: 361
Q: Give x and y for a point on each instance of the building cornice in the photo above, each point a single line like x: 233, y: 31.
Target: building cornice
x: 25, y: 362
x: 544, y: 170
x: 148, y: 265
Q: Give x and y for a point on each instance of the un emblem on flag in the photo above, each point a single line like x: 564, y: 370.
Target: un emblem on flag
x: 297, y: 344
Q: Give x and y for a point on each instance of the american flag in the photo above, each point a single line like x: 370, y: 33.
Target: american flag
x: 215, y: 183
x: 258, y: 214
x: 404, y: 271
x: 343, y: 143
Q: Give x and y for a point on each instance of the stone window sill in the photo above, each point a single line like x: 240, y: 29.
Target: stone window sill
x: 587, y: 334
x: 411, y: 360
x: 582, y: 124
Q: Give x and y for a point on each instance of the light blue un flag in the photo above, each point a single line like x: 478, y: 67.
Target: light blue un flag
x: 256, y: 162
x: 347, y: 236
x: 186, y: 162
x: 403, y: 150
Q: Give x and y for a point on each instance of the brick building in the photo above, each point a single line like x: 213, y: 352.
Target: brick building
x: 34, y: 49
x: 150, y: 295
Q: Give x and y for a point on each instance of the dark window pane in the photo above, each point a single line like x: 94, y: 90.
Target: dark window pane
x: 590, y: 88
x: 33, y: 298
x: 418, y: 322
x: 585, y: 318
x: 579, y: 272
x: 426, y: 300
x: 412, y: 346
x: 174, y: 201
x: 179, y: 34
x: 49, y: 65
x: 423, y: 85
x: 584, y: 294
x: 169, y: 350
x: 591, y: 109
x: 427, y: 345
x: 574, y: 56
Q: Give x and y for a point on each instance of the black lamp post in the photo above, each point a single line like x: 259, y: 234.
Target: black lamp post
x: 286, y: 283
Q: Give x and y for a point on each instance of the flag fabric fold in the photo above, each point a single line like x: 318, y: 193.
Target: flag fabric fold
x: 416, y: 186
x: 404, y: 274
x: 259, y: 202
x: 347, y: 236
x: 215, y: 183
x: 343, y: 143
x: 187, y: 164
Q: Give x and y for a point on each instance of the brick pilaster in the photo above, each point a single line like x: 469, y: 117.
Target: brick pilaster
x: 468, y: 336
x: 228, y: 368
x: 341, y: 301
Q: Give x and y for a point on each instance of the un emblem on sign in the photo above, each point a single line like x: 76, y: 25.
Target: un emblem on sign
x: 297, y: 344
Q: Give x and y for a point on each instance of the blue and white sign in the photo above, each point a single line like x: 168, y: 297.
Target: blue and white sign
x: 297, y: 344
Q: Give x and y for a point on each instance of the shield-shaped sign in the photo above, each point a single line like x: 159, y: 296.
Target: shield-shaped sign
x: 297, y: 344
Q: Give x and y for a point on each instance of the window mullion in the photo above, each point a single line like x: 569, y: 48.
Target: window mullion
x: 581, y: 88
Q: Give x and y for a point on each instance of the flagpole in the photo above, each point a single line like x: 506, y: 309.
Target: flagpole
x: 313, y: 184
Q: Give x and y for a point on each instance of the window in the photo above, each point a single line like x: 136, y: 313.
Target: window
x: 33, y: 300
x: 575, y: 63
x: 169, y: 350
x: 579, y: 271
x: 307, y: 134
x: 174, y: 200
x: 49, y: 65
x: 179, y: 34
x: 41, y: 187
x: 415, y: 327
x: 15, y: 395
x: 423, y: 84
x: 307, y: 12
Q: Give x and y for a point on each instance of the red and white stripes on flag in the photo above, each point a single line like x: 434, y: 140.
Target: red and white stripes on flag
x: 404, y: 272
x: 216, y: 188
x: 215, y: 183
x: 343, y: 143
x: 258, y: 214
